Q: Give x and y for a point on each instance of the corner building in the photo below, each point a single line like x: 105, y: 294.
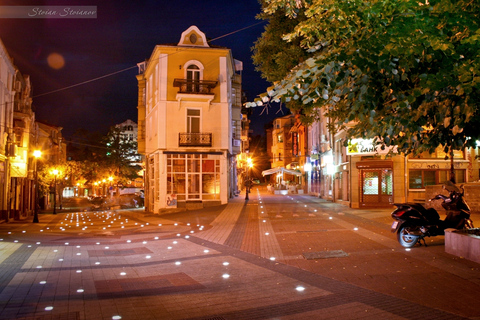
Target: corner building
x: 189, y: 123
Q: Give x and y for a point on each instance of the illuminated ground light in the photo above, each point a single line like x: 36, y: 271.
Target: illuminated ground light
x: 356, y: 229
x: 60, y: 259
x: 178, y: 263
x: 407, y: 249
x: 39, y: 267
x: 272, y: 258
x: 43, y: 282
x: 79, y: 271
x: 225, y: 276
x: 300, y: 289
x: 80, y: 290
x: 97, y: 263
x: 49, y: 308
x: 116, y: 317
x: 226, y: 263
x: 330, y: 218
x: 206, y: 251
x: 148, y: 257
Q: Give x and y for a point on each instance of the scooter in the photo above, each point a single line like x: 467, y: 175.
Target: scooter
x: 413, y: 222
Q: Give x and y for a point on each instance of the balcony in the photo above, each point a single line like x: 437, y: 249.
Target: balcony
x: 194, y: 86
x: 194, y: 139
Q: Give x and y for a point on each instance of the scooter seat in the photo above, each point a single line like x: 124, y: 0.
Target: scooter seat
x: 432, y: 215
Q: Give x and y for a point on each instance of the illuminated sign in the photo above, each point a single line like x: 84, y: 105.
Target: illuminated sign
x: 365, y: 147
x: 294, y: 143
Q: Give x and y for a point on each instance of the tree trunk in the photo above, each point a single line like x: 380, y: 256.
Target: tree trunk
x: 452, y: 169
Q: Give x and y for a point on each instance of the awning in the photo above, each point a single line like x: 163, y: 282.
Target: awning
x: 282, y: 170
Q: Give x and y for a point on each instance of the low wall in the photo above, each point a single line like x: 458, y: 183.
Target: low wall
x: 472, y: 196
x: 462, y: 245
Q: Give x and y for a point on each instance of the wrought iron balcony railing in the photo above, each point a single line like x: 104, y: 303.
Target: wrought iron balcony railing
x: 194, y: 86
x: 194, y: 139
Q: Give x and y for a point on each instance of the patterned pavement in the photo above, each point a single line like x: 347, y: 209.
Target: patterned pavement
x: 245, y: 260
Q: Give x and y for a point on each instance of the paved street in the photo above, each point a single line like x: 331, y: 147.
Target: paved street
x: 272, y: 257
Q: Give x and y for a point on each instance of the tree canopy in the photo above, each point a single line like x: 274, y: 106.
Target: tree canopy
x: 406, y: 73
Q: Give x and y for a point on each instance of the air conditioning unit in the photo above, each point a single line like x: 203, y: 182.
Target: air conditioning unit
x: 237, y: 143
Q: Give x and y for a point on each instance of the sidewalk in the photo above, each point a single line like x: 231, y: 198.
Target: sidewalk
x: 238, y: 261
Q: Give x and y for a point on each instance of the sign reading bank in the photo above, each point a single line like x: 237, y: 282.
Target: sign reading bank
x: 366, y: 147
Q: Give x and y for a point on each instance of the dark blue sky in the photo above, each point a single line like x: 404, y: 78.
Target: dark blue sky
x: 123, y: 34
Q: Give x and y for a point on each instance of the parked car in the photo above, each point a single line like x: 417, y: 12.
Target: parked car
x: 98, y: 203
x: 130, y: 200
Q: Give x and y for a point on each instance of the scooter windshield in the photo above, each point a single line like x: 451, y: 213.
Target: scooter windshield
x: 450, y: 186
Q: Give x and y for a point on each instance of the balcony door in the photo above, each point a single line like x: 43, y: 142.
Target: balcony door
x: 193, y: 78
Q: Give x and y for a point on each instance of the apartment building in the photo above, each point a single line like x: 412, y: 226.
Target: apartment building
x: 189, y: 123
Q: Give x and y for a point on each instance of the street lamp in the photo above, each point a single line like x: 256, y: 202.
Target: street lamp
x: 36, y: 154
x: 55, y: 173
x: 247, y: 185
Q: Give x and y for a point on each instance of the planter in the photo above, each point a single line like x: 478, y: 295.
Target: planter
x: 463, y: 243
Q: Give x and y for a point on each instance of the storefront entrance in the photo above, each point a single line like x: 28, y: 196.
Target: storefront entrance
x: 376, y: 186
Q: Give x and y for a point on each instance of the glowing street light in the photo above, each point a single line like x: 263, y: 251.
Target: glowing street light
x: 36, y: 154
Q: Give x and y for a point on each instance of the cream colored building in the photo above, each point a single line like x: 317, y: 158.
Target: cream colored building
x: 361, y: 175
x: 189, y: 114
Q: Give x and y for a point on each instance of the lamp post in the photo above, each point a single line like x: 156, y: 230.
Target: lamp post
x: 55, y: 172
x: 36, y: 154
x: 247, y: 184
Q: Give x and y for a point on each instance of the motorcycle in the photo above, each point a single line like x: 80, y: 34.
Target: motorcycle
x: 413, y: 222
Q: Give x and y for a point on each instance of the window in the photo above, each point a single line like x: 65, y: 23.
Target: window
x: 193, y: 176
x: 193, y: 121
x: 418, y: 179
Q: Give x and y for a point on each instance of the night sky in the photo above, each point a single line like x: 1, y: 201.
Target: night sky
x: 123, y: 34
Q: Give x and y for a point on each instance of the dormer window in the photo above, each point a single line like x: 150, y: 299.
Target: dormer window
x: 193, y: 38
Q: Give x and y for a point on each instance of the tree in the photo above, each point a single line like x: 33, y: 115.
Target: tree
x: 120, y: 158
x: 272, y: 55
x: 404, y: 73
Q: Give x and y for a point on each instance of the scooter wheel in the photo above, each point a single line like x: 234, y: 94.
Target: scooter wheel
x: 405, y: 236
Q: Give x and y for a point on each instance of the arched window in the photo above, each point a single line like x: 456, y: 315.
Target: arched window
x: 193, y: 78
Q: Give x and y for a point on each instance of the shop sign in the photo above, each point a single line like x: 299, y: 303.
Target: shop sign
x: 295, y: 143
x: 365, y: 147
